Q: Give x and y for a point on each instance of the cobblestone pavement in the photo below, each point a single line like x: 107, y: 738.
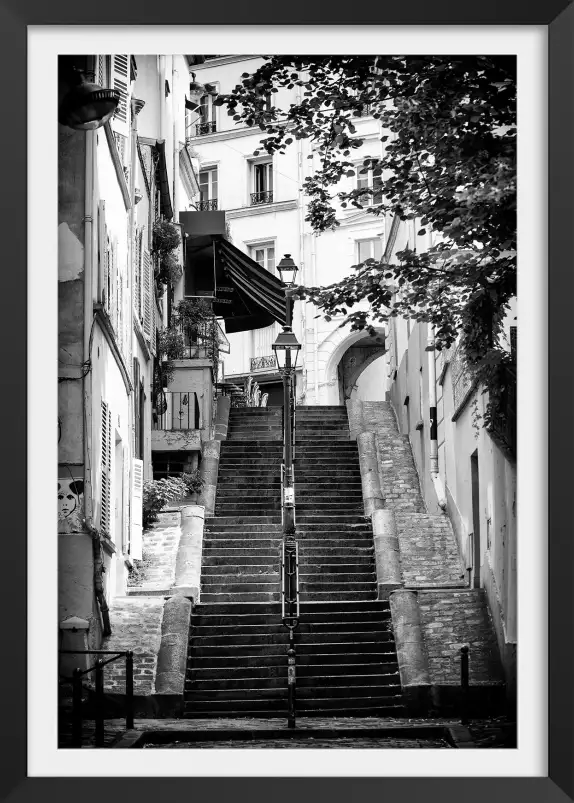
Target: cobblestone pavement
x: 306, y: 744
x: 492, y: 733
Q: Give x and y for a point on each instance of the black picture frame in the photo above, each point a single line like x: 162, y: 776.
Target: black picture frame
x: 558, y: 15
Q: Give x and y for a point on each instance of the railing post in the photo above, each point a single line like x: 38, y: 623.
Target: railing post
x: 129, y: 690
x: 77, y: 708
x: 464, y: 685
x: 99, y: 715
x: 291, y: 684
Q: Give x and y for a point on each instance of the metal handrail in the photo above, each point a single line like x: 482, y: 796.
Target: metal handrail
x: 99, y: 692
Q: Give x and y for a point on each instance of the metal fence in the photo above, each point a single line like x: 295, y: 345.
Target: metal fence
x: 177, y: 410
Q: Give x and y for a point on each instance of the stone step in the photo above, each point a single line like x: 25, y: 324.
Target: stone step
x: 230, y: 625
x: 210, y: 585
x: 398, y: 710
x: 317, y: 663
x: 278, y: 680
x: 327, y: 584
x: 338, y: 706
x: 240, y: 568
x: 336, y: 596
x: 256, y: 651
x: 309, y: 694
x: 240, y: 598
x: 255, y: 523
x: 232, y: 640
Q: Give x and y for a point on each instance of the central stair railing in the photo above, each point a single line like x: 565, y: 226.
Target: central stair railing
x: 290, y: 548
x: 290, y: 615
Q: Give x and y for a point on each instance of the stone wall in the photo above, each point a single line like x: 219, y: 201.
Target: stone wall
x: 136, y: 625
x: 428, y: 551
x: 399, y: 478
x: 156, y: 572
x: 450, y: 620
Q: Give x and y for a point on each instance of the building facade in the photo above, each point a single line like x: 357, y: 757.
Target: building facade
x: 115, y: 183
x: 265, y: 210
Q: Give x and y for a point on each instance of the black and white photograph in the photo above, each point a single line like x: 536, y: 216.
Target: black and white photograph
x: 287, y: 402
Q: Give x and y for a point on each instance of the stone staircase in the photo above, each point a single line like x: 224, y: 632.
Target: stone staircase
x: 346, y: 657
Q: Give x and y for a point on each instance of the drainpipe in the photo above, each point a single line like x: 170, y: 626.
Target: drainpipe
x: 87, y: 389
x: 315, y: 328
x: 435, y: 476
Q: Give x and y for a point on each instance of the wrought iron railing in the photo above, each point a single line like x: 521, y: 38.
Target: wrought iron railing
x: 99, y: 705
x: 258, y: 363
x: 290, y: 617
x: 464, y: 685
x: 261, y: 197
x: 199, y: 342
x: 207, y: 206
x: 205, y: 128
x: 177, y: 410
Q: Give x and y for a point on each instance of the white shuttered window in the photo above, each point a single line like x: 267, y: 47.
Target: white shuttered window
x: 106, y: 472
x: 137, y: 510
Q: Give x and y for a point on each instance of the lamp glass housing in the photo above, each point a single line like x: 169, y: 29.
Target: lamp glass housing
x: 88, y: 106
x: 287, y: 270
x: 286, y: 342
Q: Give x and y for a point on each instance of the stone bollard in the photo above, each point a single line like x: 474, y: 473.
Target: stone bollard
x: 208, y: 471
x: 188, y: 562
x: 172, y: 656
x: 355, y: 416
x: 222, y: 417
x: 387, y: 552
x: 372, y: 494
x: 411, y: 650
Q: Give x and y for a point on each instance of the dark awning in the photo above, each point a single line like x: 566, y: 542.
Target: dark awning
x: 243, y: 293
x: 165, y: 198
x: 262, y: 294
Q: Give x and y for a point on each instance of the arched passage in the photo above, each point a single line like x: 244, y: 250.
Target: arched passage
x: 342, y: 356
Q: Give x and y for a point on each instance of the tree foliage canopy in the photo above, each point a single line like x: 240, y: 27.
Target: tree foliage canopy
x: 449, y: 162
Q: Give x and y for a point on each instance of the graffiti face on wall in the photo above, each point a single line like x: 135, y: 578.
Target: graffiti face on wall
x: 70, y: 501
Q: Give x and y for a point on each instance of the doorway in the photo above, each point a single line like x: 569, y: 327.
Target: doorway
x: 475, y: 496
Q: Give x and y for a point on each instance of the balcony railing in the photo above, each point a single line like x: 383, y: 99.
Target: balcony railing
x: 259, y: 363
x: 176, y: 410
x: 199, y: 343
x: 207, y: 206
x: 261, y: 198
x: 205, y: 128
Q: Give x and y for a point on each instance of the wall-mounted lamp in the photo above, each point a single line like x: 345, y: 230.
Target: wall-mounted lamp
x: 87, y: 105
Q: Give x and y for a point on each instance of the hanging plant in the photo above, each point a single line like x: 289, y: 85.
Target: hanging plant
x: 170, y: 271
x: 195, y: 318
x: 165, y: 239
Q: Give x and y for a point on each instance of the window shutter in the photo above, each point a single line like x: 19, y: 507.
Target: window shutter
x: 137, y: 510
x: 105, y: 515
x: 121, y: 82
x: 125, y: 539
x: 147, y: 294
x: 102, y: 254
x: 138, y: 272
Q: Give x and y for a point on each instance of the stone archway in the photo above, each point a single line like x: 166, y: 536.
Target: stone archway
x: 331, y: 352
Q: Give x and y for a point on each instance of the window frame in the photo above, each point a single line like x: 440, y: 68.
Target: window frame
x: 267, y: 195
x: 375, y: 240
x: 266, y: 246
x: 372, y: 182
x: 211, y: 202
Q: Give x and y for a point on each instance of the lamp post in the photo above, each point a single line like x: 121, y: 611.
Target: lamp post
x: 286, y: 348
x: 287, y: 271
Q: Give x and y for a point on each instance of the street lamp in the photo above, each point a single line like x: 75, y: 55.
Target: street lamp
x: 287, y: 270
x: 87, y: 105
x: 286, y: 348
